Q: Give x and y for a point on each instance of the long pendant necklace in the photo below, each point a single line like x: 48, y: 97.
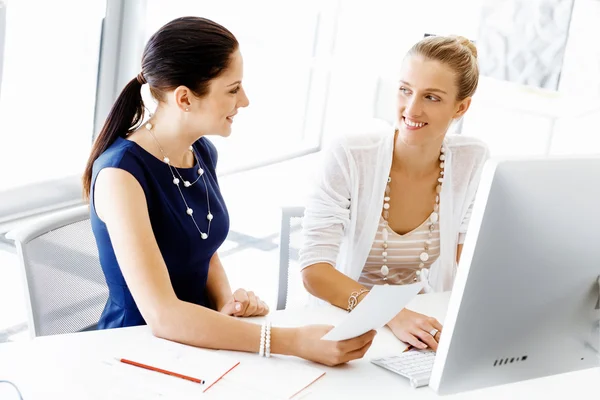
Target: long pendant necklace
x: 177, y: 179
x: 433, y: 219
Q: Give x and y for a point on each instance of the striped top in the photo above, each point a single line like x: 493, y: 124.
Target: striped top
x: 402, y: 255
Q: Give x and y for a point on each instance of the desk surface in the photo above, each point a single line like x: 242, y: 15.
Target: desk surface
x: 70, y: 366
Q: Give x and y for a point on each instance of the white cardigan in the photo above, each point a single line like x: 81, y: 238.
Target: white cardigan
x: 342, y: 212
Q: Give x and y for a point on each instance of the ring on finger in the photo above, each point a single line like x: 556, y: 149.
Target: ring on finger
x: 433, y: 332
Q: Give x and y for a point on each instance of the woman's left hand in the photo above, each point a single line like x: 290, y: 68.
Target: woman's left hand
x: 418, y: 330
x: 245, y: 304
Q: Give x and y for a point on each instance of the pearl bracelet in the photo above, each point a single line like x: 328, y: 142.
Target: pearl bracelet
x: 268, y: 341
x: 263, y: 330
x: 353, y: 299
x: 265, y: 340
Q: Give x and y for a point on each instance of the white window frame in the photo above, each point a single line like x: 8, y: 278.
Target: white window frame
x: 121, y: 47
x: 2, y: 37
x: 125, y: 43
x: 30, y: 201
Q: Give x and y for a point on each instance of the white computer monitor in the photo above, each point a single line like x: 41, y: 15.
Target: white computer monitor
x: 526, y: 297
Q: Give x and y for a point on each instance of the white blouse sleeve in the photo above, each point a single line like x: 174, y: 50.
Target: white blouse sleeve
x: 327, y: 210
x: 462, y: 231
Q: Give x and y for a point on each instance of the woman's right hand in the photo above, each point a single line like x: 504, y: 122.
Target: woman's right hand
x: 308, y: 345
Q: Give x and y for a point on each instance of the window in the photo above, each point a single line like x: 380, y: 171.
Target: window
x: 47, y: 92
x: 283, y: 44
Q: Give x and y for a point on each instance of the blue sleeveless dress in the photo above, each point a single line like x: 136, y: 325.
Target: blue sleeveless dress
x: 186, y: 255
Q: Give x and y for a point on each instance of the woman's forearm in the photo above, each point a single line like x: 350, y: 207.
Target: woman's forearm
x: 198, y: 326
x: 322, y: 280
x: 217, y: 284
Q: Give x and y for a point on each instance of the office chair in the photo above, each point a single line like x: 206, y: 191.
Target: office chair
x: 288, y: 215
x: 64, y: 285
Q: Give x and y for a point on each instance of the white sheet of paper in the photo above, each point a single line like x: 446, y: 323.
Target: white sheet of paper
x: 208, y: 365
x: 378, y: 308
x: 293, y: 376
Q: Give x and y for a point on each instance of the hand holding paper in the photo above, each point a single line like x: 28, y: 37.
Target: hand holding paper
x: 375, y: 310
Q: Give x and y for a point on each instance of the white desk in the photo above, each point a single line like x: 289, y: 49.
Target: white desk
x: 70, y: 367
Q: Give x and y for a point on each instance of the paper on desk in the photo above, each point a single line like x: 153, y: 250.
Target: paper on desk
x: 277, y: 376
x: 207, y: 365
x: 377, y: 308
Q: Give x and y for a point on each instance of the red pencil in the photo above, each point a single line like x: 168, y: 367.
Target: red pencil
x: 137, y: 364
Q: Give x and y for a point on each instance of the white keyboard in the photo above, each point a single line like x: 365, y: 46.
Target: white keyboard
x: 416, y: 365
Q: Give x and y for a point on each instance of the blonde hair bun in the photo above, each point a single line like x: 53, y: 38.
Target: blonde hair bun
x: 468, y: 44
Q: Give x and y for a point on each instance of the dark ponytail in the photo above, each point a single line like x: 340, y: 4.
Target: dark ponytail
x: 124, y: 116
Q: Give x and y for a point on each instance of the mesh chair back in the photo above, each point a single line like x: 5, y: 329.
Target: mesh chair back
x: 67, y: 289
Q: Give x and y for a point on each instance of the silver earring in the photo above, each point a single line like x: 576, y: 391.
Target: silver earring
x: 187, y: 109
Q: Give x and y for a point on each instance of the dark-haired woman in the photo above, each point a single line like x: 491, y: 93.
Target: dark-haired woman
x: 157, y: 212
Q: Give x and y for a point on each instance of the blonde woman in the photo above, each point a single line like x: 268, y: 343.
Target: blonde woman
x: 393, y: 206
